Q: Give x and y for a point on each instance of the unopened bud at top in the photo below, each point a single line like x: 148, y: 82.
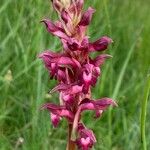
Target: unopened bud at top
x: 59, y: 5
x: 65, y: 3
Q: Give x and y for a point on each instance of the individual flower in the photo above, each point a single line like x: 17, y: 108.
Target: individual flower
x: 86, y: 104
x: 86, y: 139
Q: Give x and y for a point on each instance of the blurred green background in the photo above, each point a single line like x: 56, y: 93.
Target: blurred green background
x: 24, y: 83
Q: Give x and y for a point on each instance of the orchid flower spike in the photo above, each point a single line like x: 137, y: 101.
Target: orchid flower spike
x: 75, y: 70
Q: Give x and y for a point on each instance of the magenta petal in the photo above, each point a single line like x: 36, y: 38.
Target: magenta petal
x: 75, y: 89
x: 57, y: 5
x: 52, y: 107
x: 104, y: 102
x: 60, y: 111
x: 61, y: 76
x: 77, y: 64
x: 65, y: 16
x: 96, y: 71
x: 48, y: 54
x: 47, y: 57
x: 98, y: 113
x: 52, y: 67
x: 86, y: 17
x: 88, y: 133
x: 86, y: 140
x: 81, y: 126
x: 100, y: 104
x: 85, y: 43
x: 68, y: 89
x: 100, y: 44
x: 55, y: 119
x: 87, y: 81
x: 60, y: 87
x: 54, y: 29
x: 90, y: 75
x: 64, y: 60
x: 87, y: 106
x: 99, y: 60
x: 87, y: 77
x: 73, y: 44
x: 79, y: 5
x: 67, y: 98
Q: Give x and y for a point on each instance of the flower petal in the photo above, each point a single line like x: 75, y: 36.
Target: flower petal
x: 87, y: 77
x: 55, y: 119
x: 68, y: 98
x: 90, y: 75
x: 60, y: 87
x: 61, y: 76
x: 101, y: 44
x: 86, y: 17
x: 88, y: 133
x: 103, y: 103
x: 47, y: 57
x: 60, y: 111
x: 49, y: 54
x: 86, y: 140
x: 64, y: 60
x: 57, y: 5
x: 55, y: 29
x: 99, y: 60
x: 79, y: 5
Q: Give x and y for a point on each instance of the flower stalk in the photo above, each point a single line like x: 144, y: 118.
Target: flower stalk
x: 70, y: 145
x: 75, y: 70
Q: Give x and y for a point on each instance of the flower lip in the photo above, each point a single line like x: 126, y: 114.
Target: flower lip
x: 86, y: 139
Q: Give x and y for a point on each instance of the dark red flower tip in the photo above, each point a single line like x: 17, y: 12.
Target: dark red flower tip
x: 101, y: 44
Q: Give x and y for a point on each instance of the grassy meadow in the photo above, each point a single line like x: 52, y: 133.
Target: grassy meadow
x: 24, y: 82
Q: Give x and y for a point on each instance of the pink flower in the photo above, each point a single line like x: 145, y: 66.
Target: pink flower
x: 86, y: 139
x: 57, y: 112
x: 86, y: 104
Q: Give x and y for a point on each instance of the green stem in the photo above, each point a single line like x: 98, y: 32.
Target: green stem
x: 143, y: 113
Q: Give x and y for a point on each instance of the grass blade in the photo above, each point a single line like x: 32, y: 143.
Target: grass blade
x: 143, y: 112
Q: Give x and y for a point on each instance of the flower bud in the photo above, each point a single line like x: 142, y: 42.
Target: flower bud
x: 59, y: 5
